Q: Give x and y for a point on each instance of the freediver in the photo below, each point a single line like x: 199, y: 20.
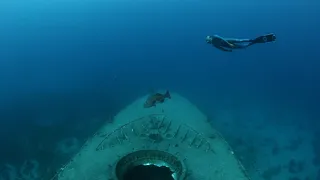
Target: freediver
x: 229, y: 44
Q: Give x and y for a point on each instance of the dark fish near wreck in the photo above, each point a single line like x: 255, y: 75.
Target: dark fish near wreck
x: 156, y: 98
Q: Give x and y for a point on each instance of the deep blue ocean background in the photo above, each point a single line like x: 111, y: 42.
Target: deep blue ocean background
x: 67, y: 66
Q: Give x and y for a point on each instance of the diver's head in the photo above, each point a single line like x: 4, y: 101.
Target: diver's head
x: 274, y: 37
x: 209, y: 39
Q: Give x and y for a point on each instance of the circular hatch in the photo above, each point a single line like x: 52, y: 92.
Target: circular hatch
x: 150, y: 165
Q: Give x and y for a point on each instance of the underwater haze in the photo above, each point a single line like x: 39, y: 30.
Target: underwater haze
x: 68, y: 66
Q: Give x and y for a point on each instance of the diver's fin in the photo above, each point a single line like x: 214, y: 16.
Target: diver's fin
x: 265, y: 38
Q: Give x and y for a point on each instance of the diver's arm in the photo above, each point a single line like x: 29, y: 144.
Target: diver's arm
x: 223, y: 42
x: 227, y: 43
x: 223, y: 49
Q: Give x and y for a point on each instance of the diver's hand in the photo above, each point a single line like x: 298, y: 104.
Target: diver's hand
x: 230, y: 45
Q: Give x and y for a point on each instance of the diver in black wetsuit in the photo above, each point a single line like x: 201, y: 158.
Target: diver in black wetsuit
x: 229, y: 44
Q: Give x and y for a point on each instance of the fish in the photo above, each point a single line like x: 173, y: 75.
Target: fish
x: 156, y: 98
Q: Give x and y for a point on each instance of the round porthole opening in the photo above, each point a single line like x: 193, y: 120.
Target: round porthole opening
x: 150, y: 165
x: 148, y: 172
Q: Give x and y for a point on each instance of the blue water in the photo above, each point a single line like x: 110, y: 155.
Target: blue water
x: 64, y: 63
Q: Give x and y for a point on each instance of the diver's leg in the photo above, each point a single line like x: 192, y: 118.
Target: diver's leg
x: 234, y: 40
x: 261, y: 39
x: 240, y: 43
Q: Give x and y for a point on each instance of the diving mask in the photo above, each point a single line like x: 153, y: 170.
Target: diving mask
x: 209, y: 39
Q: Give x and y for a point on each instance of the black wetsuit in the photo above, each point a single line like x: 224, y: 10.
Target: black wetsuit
x: 228, y: 44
